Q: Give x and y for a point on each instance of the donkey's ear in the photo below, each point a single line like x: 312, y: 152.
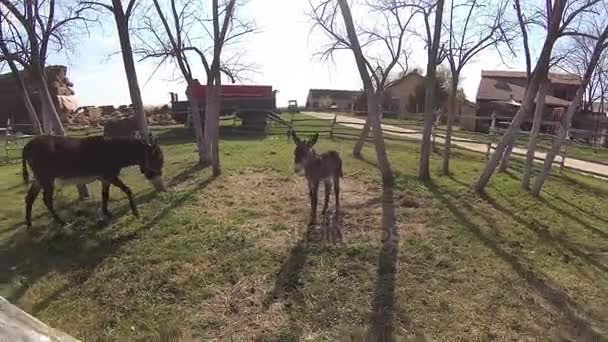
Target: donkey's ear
x: 314, y: 139
x: 294, y: 136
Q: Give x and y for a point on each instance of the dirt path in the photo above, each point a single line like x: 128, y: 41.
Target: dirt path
x: 575, y: 164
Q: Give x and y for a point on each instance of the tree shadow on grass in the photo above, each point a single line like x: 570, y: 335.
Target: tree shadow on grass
x: 288, y: 283
x: 288, y: 278
x: 582, y: 186
x: 584, y: 211
x: 543, y: 231
x: 28, y: 258
x: 574, y: 218
x: 555, y: 296
x: 108, y: 247
x: 383, y: 305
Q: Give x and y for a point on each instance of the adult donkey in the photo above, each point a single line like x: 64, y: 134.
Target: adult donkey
x: 326, y: 167
x: 84, y: 160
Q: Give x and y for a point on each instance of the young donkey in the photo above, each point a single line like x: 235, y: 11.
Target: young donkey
x: 326, y: 167
x: 84, y: 160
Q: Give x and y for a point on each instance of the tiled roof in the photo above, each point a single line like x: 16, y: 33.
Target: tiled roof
x: 554, y: 77
x: 493, y: 89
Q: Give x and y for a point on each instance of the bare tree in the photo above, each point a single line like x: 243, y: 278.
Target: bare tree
x: 122, y: 18
x: 600, y: 45
x: 224, y: 28
x: 523, y: 22
x: 432, y: 15
x: 43, y: 25
x: 7, y: 56
x: 170, y: 41
x: 536, y: 125
x: 559, y: 16
x: 388, y: 35
x: 580, y: 48
x: 472, y: 27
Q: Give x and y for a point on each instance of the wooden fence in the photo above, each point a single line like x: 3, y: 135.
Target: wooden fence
x: 345, y: 129
x: 394, y: 131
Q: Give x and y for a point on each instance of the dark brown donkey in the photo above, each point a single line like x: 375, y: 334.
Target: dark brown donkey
x: 326, y: 167
x: 84, y: 160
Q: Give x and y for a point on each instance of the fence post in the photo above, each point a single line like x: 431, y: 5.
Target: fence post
x: 491, y: 138
x: 331, y: 130
x: 563, y: 152
x: 433, y: 133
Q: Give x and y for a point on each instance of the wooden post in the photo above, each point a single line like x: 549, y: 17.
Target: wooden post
x: 492, y: 132
x: 433, y: 133
x: 563, y: 152
x: 333, y: 123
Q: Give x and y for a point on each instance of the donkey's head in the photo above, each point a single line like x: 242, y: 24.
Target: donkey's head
x: 152, y: 165
x: 304, y: 150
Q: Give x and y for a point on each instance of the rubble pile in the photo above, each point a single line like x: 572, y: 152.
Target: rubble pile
x: 97, y: 116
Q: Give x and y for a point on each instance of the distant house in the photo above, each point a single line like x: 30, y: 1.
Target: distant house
x: 406, y: 96
x: 332, y: 99
x: 502, y: 92
x: 403, y: 97
x: 595, y: 121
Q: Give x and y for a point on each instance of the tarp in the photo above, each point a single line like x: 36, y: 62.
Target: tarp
x: 17, y: 325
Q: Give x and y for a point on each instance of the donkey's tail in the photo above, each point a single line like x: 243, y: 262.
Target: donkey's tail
x: 340, y: 170
x: 25, y: 174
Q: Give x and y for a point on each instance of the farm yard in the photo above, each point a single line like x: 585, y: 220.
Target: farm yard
x: 467, y: 204
x: 232, y: 257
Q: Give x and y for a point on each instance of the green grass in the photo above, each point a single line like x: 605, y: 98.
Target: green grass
x: 232, y: 257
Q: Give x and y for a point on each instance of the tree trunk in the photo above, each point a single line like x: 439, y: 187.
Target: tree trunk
x: 445, y: 168
x: 47, y: 125
x: 565, y: 124
x: 362, y: 137
x: 373, y: 109
x: 424, y: 172
x: 373, y: 97
x: 557, y: 144
x: 197, y: 124
x: 211, y: 137
x: 46, y: 101
x: 29, y: 107
x: 536, y: 124
x: 122, y: 26
x: 540, y: 73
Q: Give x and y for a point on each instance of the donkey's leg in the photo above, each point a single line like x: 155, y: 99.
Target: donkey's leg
x: 48, y: 188
x: 124, y: 188
x: 327, y: 193
x: 337, y: 192
x: 313, y: 188
x: 30, y: 198
x: 105, y: 195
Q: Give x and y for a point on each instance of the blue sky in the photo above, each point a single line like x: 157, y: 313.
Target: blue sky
x: 283, y: 52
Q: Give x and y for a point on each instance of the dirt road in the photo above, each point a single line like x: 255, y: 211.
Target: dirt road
x: 575, y: 164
